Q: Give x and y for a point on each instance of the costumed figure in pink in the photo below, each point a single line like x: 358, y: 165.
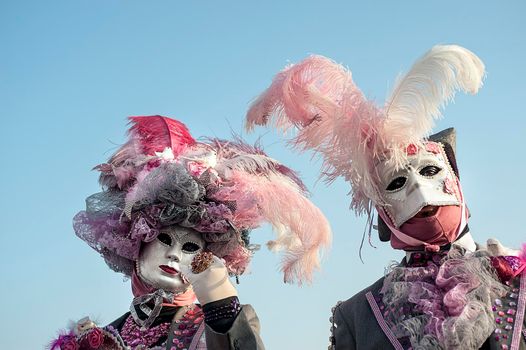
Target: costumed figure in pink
x: 448, y: 292
x: 175, y: 216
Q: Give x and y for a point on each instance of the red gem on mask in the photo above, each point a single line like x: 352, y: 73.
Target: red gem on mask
x: 411, y: 150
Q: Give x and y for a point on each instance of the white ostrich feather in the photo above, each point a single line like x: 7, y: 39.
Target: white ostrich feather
x: 419, y: 96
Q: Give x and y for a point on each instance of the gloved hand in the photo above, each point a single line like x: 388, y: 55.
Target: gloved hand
x: 212, y: 284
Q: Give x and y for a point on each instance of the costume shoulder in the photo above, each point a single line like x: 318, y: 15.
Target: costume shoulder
x: 354, y: 325
x: 357, y: 305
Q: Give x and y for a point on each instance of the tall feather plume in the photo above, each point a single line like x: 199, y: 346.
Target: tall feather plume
x: 334, y: 119
x: 419, y: 96
x: 302, y: 230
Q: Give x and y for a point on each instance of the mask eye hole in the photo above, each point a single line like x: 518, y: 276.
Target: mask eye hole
x: 396, y: 184
x: 190, y: 247
x: 165, y: 238
x: 429, y: 171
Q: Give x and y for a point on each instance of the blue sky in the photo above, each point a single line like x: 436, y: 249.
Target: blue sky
x: 72, y: 71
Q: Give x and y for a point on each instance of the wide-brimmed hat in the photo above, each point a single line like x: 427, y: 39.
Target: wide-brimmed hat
x: 223, y: 189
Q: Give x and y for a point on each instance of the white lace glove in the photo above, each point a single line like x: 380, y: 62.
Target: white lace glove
x: 212, y: 284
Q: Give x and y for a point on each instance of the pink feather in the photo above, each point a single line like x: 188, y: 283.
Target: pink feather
x: 300, y: 94
x: 63, y: 335
x: 157, y: 132
x: 302, y: 230
x: 237, y: 154
x: 54, y: 344
x: 334, y: 119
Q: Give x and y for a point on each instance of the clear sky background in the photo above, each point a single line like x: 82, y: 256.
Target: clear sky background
x: 72, y: 71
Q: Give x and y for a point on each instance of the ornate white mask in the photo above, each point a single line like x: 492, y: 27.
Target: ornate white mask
x: 427, y: 179
x: 159, y: 261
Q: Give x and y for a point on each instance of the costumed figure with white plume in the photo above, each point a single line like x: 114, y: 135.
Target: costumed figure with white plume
x: 175, y: 217
x: 448, y: 292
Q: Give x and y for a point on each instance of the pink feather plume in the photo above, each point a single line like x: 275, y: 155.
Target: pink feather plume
x: 319, y: 97
x: 302, y: 230
x: 334, y: 119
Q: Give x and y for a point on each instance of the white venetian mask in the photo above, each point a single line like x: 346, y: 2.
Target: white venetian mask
x: 159, y: 261
x: 427, y: 179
